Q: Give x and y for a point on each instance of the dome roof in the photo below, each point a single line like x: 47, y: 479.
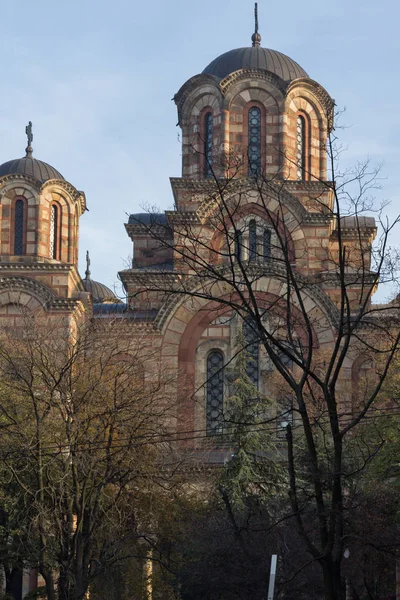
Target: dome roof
x: 100, y: 292
x: 255, y: 57
x: 30, y: 166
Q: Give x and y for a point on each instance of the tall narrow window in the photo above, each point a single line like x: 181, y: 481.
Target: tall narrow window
x: 252, y: 240
x: 238, y: 245
x: 266, y: 245
x: 254, y: 148
x: 215, y: 393
x: 208, y: 144
x: 54, y: 232
x: 251, y: 341
x: 19, y: 227
x: 301, y: 148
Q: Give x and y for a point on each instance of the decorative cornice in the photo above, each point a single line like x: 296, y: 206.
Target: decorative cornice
x: 126, y: 325
x: 21, y: 177
x: 236, y: 76
x: 152, y: 228
x: 78, y: 196
x: 35, y: 266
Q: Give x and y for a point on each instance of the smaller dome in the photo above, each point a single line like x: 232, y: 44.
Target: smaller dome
x: 30, y: 166
x: 100, y: 293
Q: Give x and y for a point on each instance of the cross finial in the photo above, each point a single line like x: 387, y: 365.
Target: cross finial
x: 256, y: 37
x: 29, y: 135
x: 87, y: 272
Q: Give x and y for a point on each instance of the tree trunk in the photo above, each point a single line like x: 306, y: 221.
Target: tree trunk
x: 14, y: 582
x: 49, y: 581
x: 333, y: 587
x: 63, y: 584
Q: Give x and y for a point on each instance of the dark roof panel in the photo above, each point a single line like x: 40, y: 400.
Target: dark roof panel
x: 148, y: 219
x: 255, y: 58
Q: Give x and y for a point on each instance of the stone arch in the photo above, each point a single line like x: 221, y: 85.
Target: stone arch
x: 188, y: 91
x: 240, y: 98
x: 187, y: 323
x: 243, y: 214
x: 55, y: 194
x: 14, y: 189
x: 301, y: 99
x: 203, y: 98
x: 13, y: 287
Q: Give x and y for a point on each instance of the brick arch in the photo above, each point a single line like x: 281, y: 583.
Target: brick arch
x: 202, y: 99
x: 243, y: 91
x: 19, y: 187
x: 271, y: 102
x: 244, y: 211
x: 68, y: 227
x: 200, y: 95
x: 189, y: 335
x: 301, y: 102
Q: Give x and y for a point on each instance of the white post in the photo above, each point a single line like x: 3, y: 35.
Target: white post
x: 272, y: 575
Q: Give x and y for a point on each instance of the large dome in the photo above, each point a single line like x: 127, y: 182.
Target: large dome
x: 255, y: 58
x: 30, y: 166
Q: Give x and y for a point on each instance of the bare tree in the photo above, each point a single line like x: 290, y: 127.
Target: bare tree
x: 299, y: 269
x: 82, y: 429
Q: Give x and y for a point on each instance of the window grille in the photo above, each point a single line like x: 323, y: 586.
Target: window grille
x: 251, y: 341
x: 252, y: 240
x: 215, y: 392
x: 301, y: 148
x: 19, y: 228
x: 254, y: 136
x: 53, y: 231
x: 208, y: 144
x: 238, y: 245
x: 267, y: 245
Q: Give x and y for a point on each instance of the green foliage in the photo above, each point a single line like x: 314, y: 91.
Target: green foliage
x: 39, y: 592
x: 254, y: 469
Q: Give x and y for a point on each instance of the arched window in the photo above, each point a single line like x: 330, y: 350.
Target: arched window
x: 215, y: 392
x: 301, y: 148
x: 238, y: 245
x: 267, y: 245
x: 208, y: 144
x: 251, y: 341
x: 254, y: 136
x: 19, y: 227
x: 54, y: 227
x: 252, y: 240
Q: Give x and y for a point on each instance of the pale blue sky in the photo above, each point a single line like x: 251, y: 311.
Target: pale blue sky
x: 97, y: 78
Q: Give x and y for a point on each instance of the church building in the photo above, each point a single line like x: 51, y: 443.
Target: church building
x: 251, y: 112
x: 254, y: 201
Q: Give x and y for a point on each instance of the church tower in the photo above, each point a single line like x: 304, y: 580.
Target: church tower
x: 254, y: 197
x: 39, y: 215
